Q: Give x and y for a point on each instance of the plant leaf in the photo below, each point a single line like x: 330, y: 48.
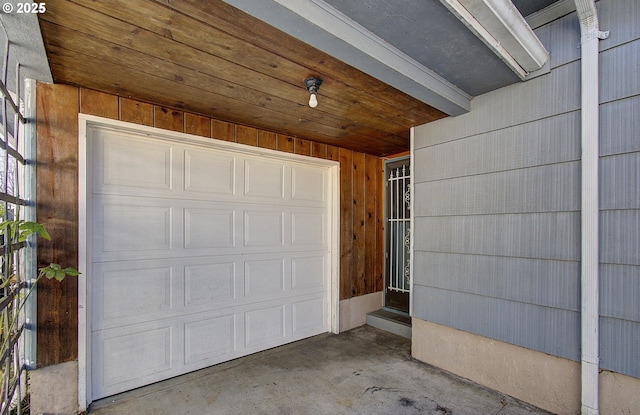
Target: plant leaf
x: 29, y: 228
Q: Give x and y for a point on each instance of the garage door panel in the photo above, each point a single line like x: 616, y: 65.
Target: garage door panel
x: 209, y: 286
x: 126, y: 295
x: 264, y: 278
x: 209, y: 173
x: 308, y: 274
x: 264, y: 179
x: 308, y: 183
x: 126, y: 227
x: 209, y: 228
x: 118, y: 160
x: 263, y: 228
x: 309, y: 316
x: 209, y: 339
x: 264, y: 326
x: 308, y: 228
x: 130, y: 358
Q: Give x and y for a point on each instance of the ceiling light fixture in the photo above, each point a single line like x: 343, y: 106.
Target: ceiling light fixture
x: 313, y: 84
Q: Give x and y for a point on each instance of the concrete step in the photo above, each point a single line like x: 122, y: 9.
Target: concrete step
x: 391, y: 321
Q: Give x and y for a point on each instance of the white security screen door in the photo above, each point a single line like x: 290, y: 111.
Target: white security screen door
x: 199, y: 254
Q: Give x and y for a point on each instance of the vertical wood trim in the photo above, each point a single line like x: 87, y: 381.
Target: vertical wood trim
x: 285, y: 143
x: 197, y: 125
x: 98, y: 103
x: 57, y: 209
x: 333, y: 153
x: 168, y: 119
x: 359, y: 205
x: 267, y: 139
x: 346, y: 224
x: 223, y: 130
x: 246, y: 135
x: 318, y: 150
x: 302, y: 147
x: 370, y: 218
x: 380, y: 224
x: 136, y: 112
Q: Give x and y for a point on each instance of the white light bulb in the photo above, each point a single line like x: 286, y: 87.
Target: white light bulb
x: 313, y: 101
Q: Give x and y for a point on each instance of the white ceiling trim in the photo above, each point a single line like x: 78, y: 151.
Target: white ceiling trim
x: 499, y: 24
x: 329, y: 30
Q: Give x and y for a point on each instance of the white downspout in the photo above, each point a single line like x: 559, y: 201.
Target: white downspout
x: 590, y: 34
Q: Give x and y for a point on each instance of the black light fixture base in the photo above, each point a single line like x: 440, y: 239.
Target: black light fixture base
x: 313, y: 84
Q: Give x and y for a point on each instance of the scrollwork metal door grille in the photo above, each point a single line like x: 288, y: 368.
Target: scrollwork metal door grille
x: 399, y: 229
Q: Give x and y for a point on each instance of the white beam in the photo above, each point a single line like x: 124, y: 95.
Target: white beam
x: 501, y: 27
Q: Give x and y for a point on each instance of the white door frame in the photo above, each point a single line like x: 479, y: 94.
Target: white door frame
x: 84, y: 217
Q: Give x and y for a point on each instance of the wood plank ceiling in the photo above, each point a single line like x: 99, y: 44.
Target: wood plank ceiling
x: 210, y: 58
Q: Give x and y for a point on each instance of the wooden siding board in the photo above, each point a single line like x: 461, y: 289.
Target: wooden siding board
x: 223, y: 130
x: 347, y: 276
x: 168, y: 119
x: 286, y: 143
x: 197, y: 125
x: 136, y: 112
x: 246, y: 135
x: 333, y: 153
x: 99, y: 103
x: 359, y: 242
x: 57, y: 205
x: 302, y: 147
x: 267, y: 139
x: 370, y: 222
x: 318, y: 150
x: 380, y: 226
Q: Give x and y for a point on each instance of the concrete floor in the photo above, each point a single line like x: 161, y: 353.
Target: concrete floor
x: 362, y: 371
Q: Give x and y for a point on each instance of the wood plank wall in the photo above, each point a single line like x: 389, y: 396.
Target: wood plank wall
x: 361, y: 197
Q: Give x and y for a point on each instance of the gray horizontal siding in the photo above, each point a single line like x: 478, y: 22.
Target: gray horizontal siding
x: 620, y: 346
x: 546, y: 96
x: 620, y: 237
x: 621, y: 18
x: 551, y: 188
x: 621, y: 73
x: 497, y: 203
x: 536, y: 235
x: 620, y: 181
x: 620, y: 291
x: 548, y: 141
x: 517, y: 279
x: 550, y: 330
x: 620, y: 126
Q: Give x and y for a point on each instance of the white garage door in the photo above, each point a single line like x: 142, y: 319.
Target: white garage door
x: 199, y: 255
